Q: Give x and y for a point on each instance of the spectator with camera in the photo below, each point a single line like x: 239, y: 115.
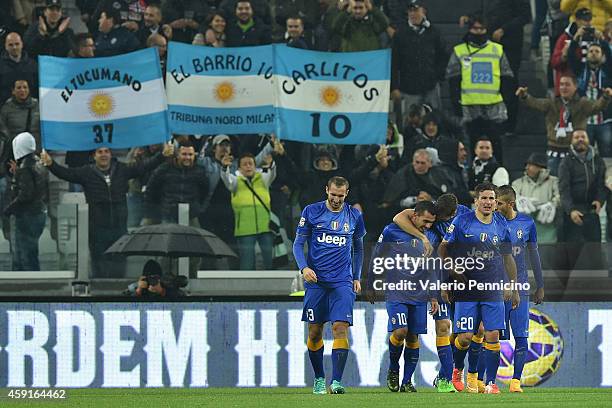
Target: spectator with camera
x: 594, y: 75
x: 580, y: 31
x: 154, y: 284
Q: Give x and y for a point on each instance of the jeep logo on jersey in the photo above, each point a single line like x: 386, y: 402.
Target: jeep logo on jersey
x: 335, y: 225
x: 483, y: 236
x: 346, y: 227
x: 519, y: 234
x: 332, y: 239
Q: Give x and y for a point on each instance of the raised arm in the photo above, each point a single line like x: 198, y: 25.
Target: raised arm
x: 230, y: 180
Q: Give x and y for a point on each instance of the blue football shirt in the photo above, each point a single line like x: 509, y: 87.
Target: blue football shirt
x: 330, y: 241
x: 523, y: 236
x: 469, y: 238
x: 440, y: 228
x: 413, y: 269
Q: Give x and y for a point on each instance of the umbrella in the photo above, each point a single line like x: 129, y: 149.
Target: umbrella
x: 171, y: 240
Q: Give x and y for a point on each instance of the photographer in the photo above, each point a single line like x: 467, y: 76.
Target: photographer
x: 594, y: 75
x: 152, y: 283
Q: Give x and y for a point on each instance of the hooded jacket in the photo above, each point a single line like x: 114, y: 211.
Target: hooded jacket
x: 581, y: 181
x: 28, y: 185
x: 544, y: 189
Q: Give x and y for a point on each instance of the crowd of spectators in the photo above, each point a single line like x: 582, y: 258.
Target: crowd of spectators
x: 234, y: 183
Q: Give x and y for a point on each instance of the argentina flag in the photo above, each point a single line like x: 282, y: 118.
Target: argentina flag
x: 116, y: 102
x: 220, y: 90
x: 338, y: 98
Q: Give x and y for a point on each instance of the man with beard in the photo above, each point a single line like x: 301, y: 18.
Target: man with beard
x: 583, y: 193
x: 152, y: 24
x: 246, y: 30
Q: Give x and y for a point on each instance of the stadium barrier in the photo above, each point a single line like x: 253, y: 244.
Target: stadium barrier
x: 258, y: 344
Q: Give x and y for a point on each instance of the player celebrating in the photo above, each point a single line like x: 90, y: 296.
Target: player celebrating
x: 407, y: 309
x: 334, y: 231
x: 447, y: 208
x: 484, y: 239
x: 524, y: 238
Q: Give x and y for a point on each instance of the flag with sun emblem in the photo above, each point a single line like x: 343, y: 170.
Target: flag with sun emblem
x: 117, y: 102
x: 338, y: 98
x: 220, y: 90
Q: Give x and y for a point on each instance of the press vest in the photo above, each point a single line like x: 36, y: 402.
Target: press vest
x: 250, y: 215
x: 480, y: 73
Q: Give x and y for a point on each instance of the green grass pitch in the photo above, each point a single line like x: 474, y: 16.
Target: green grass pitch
x: 302, y: 397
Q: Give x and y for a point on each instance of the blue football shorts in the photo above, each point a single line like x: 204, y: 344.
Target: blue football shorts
x: 329, y: 304
x: 412, y: 316
x: 468, y: 316
x: 517, y: 318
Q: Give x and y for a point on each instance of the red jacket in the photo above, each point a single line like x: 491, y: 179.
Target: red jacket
x: 559, y: 66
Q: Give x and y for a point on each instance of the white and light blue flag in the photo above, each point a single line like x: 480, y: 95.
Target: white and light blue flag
x: 339, y: 98
x: 117, y: 102
x: 220, y: 90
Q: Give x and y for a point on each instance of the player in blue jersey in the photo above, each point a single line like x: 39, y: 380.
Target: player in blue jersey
x: 334, y: 232
x: 480, y: 248
x: 524, y: 239
x: 405, y: 298
x: 447, y: 208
